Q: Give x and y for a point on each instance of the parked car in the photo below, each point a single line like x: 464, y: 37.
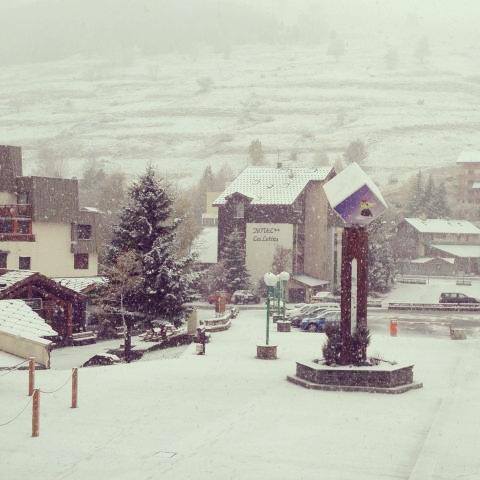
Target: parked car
x: 325, y: 297
x: 244, y: 296
x: 314, y: 311
x: 320, y: 321
x: 212, y: 299
x: 456, y: 298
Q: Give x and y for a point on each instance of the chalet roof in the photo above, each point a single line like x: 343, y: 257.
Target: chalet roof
x: 273, y: 186
x: 469, y: 156
x: 12, y: 277
x: 440, y: 225
x: 81, y: 284
x: 423, y: 260
x: 460, y: 251
x: 205, y: 245
x: 18, y: 319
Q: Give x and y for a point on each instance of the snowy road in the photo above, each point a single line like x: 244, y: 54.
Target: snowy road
x: 229, y: 416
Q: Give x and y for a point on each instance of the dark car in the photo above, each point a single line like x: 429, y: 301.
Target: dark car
x: 456, y: 298
x: 320, y: 321
x: 244, y: 296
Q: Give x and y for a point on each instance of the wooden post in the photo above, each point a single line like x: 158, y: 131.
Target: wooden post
x: 354, y: 246
x: 69, y: 319
x: 74, y: 387
x: 31, y: 376
x: 36, y: 413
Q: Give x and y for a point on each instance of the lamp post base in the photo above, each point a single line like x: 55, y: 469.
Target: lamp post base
x: 284, y: 326
x: 267, y: 352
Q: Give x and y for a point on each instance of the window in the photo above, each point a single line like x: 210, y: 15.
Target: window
x: 84, y: 232
x: 6, y: 225
x: 3, y: 259
x: 24, y: 226
x: 80, y: 261
x: 24, y: 263
x: 23, y: 198
x: 239, y: 210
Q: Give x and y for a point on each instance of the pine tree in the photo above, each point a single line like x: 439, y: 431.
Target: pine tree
x: 145, y: 218
x: 255, y: 152
x: 416, y: 197
x: 355, y: 152
x: 147, y: 229
x: 381, y: 260
x: 237, y: 277
x: 440, y: 202
x: 429, y: 209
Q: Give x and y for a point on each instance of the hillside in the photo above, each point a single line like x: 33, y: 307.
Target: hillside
x: 183, y: 112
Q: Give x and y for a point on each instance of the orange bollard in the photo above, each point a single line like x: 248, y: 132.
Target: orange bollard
x: 393, y: 328
x: 31, y: 376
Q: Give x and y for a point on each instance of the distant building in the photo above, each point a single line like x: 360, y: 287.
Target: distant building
x: 438, y: 246
x: 283, y: 207
x: 210, y: 216
x: 42, y: 226
x: 468, y: 166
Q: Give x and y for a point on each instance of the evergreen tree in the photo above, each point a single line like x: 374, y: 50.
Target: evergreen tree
x: 147, y: 229
x: 428, y: 203
x: 236, y: 275
x: 145, y: 218
x: 442, y: 209
x: 255, y: 152
x: 416, y: 197
x: 355, y: 152
x: 381, y: 260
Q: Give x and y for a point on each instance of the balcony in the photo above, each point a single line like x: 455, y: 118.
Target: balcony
x: 16, y: 211
x: 16, y: 223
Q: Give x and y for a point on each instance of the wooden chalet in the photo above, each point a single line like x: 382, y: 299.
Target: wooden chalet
x: 61, y: 307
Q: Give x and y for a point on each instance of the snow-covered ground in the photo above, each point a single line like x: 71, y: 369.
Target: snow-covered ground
x: 430, y: 293
x: 227, y: 415
x: 295, y: 99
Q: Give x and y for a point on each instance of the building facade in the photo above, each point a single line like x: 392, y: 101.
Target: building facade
x: 42, y: 226
x: 468, y: 168
x: 282, y: 208
x: 419, y: 241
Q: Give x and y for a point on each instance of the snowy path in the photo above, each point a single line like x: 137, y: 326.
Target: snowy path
x: 229, y: 416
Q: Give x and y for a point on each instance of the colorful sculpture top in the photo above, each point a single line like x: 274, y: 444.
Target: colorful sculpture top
x: 354, y: 196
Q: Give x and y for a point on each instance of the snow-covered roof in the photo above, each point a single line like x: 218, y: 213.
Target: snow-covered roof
x: 14, y: 276
x: 205, y: 245
x: 475, y: 185
x: 469, y: 156
x: 273, y: 186
x: 309, y: 281
x: 461, y: 251
x: 18, y: 319
x: 90, y: 209
x: 80, y: 284
x: 423, y: 260
x: 440, y: 225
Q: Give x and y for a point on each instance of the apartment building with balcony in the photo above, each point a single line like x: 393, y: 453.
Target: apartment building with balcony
x: 42, y: 226
x: 468, y: 176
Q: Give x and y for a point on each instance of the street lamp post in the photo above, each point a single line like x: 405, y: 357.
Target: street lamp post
x: 284, y: 278
x: 270, y: 280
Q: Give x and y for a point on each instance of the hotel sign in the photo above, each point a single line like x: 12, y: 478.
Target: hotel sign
x: 262, y: 240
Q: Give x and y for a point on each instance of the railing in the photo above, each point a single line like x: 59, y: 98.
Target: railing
x: 16, y: 211
x: 441, y: 307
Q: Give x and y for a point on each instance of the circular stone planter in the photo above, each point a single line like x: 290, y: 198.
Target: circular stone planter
x: 284, y: 326
x: 267, y: 352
